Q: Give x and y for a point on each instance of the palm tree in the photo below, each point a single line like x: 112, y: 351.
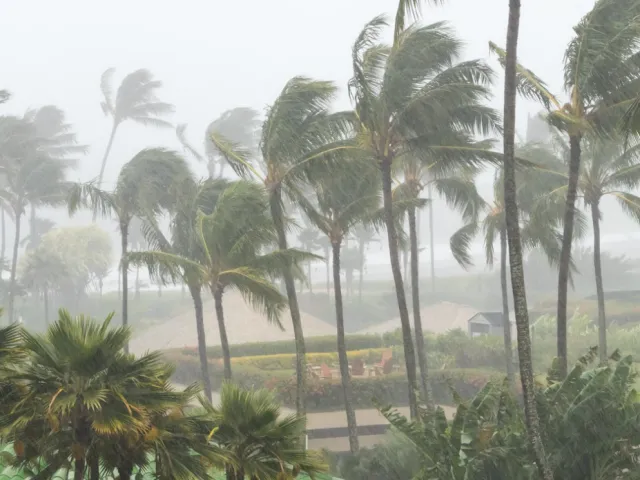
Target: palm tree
x: 231, y: 238
x: 35, y: 171
x: 309, y: 239
x: 146, y: 185
x: 363, y: 236
x: 343, y: 199
x: 240, y: 125
x: 395, y: 91
x: 79, y: 385
x: 298, y: 133
x: 608, y: 168
x: 135, y: 100
x: 183, y: 243
x: 600, y: 69
x: 512, y: 220
x: 540, y: 215
x: 251, y: 430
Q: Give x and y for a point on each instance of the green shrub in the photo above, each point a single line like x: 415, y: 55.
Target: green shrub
x: 327, y: 394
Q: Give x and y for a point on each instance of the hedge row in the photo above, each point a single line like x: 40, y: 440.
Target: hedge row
x: 327, y: 394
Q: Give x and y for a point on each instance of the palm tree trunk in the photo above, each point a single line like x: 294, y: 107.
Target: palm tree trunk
x: 301, y: 362
x: 124, y: 238
x: 394, y: 257
x: 326, y: 256
x: 105, y: 157
x: 431, y: 239
x: 361, y: 270
x: 415, y: 298
x: 506, y: 324
x: 565, y: 253
x: 159, y: 289
x: 602, y: 322
x: 3, y: 239
x: 45, y: 293
x: 196, y: 295
x: 309, y: 277
x: 352, y: 427
x: 14, y: 263
x: 515, y: 247
x: 78, y: 470
x: 137, y: 283
x: 224, y: 341
x: 33, y: 233
x: 94, y: 465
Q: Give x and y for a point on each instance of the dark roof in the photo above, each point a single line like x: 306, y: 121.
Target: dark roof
x: 494, y: 318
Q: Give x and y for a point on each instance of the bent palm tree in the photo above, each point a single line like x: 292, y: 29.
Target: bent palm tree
x: 297, y: 133
x: 343, y: 199
x: 135, y: 100
x: 147, y: 185
x: 600, y: 72
x: 395, y: 90
x: 231, y: 238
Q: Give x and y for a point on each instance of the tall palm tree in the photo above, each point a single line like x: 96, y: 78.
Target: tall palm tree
x: 540, y: 216
x: 342, y: 200
x: 232, y: 238
x: 264, y: 444
x: 363, y: 236
x: 395, y: 90
x: 146, y: 185
x: 460, y: 193
x: 515, y: 248
x: 298, y: 133
x: 600, y: 71
x: 192, y: 197
x: 135, y: 100
x: 309, y: 239
x: 35, y: 171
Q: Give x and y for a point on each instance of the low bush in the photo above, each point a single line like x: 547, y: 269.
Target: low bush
x: 284, y: 361
x: 327, y: 394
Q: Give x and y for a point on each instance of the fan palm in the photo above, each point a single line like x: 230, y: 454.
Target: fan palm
x: 231, y: 239
x: 146, y: 185
x: 343, y: 200
x: 297, y: 134
x: 415, y: 99
x: 600, y: 78
x: 135, y: 100
x: 79, y: 385
x: 512, y: 228
x: 264, y: 445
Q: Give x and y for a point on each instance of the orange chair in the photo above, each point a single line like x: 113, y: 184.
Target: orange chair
x: 357, y: 367
x: 325, y: 371
x: 386, y: 356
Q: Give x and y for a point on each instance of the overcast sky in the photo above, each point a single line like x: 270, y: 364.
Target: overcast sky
x: 214, y: 55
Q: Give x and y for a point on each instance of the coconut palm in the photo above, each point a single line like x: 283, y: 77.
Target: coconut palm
x: 309, y: 238
x: 240, y: 125
x: 183, y: 244
x: 78, y: 385
x: 250, y: 428
x: 600, y: 71
x: 395, y: 90
x: 512, y: 228
x: 297, y: 134
x: 34, y: 173
x: 540, y: 216
x: 363, y: 235
x: 231, y: 239
x: 135, y: 100
x: 4, y: 96
x: 146, y: 186
x: 341, y: 201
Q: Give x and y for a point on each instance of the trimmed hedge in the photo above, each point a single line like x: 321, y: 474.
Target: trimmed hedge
x: 326, y: 395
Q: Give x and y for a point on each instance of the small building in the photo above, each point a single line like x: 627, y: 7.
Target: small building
x: 486, y: 323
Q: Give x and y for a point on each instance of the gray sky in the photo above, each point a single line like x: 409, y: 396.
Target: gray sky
x: 214, y: 55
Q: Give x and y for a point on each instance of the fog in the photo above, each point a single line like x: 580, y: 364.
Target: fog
x: 213, y: 56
